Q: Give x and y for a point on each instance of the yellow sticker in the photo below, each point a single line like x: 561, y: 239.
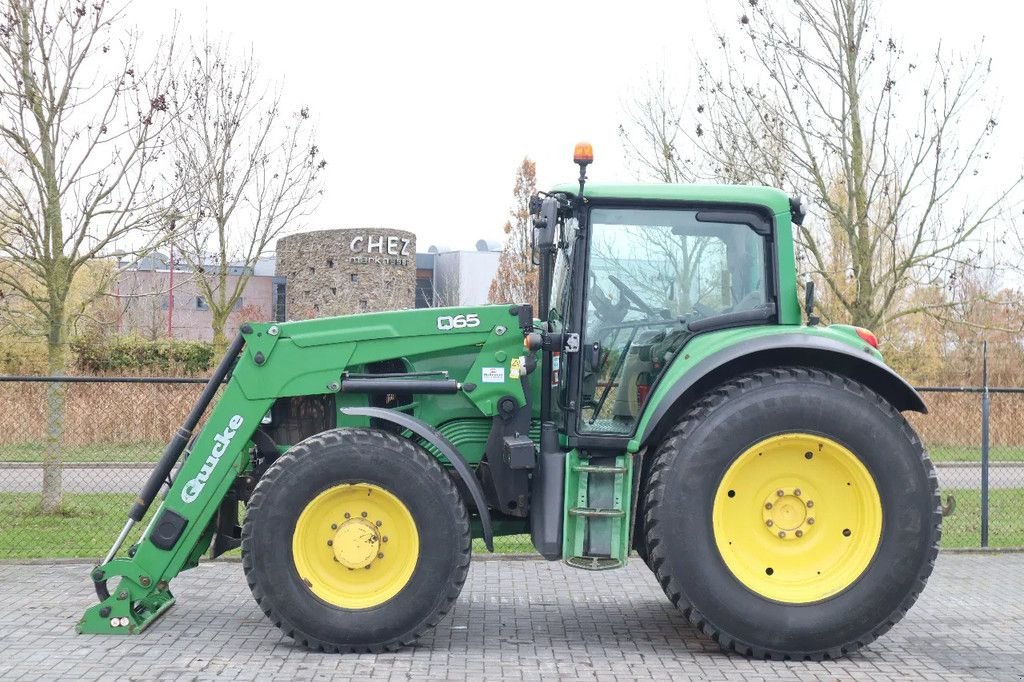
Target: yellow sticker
x: 514, y: 368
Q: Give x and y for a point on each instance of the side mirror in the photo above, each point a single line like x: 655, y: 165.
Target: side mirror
x: 812, y: 319
x: 544, y: 224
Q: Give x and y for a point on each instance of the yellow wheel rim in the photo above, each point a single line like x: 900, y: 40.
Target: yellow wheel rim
x: 355, y: 545
x: 797, y: 518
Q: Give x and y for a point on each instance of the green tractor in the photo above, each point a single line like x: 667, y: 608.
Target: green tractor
x: 667, y: 398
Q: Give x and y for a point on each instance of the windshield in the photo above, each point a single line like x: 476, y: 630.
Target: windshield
x: 666, y: 264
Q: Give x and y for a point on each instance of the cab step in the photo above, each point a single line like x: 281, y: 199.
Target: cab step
x: 596, y: 522
x: 595, y: 469
x: 594, y: 512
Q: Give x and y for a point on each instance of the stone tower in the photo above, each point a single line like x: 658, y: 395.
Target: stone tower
x: 341, y: 272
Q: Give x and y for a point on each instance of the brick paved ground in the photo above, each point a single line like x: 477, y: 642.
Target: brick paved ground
x: 521, y: 620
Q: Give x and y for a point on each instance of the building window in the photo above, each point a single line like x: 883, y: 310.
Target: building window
x: 201, y: 303
x: 334, y: 291
x: 330, y: 263
x: 280, y: 297
x: 424, y: 292
x: 238, y: 304
x: 363, y: 304
x: 353, y: 277
x: 312, y: 270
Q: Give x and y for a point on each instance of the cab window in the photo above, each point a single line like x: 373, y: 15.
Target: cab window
x: 653, y: 271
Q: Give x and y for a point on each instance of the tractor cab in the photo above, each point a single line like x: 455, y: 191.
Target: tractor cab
x: 630, y: 273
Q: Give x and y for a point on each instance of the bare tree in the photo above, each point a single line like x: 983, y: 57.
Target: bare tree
x: 813, y: 96
x: 82, y: 129
x: 253, y: 170
x: 515, y: 280
x: 653, y: 136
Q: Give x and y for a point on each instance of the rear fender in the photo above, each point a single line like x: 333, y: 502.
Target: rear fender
x: 817, y: 350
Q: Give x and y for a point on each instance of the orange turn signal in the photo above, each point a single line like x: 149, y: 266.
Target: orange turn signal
x: 584, y: 153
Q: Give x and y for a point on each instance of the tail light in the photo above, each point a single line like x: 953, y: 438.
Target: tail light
x: 643, y: 388
x: 868, y: 336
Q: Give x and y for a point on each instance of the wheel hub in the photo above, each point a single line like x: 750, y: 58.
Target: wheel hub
x: 356, y: 543
x: 788, y: 513
x: 797, y: 518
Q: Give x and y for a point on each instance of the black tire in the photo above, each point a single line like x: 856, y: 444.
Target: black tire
x: 356, y: 456
x: 694, y: 456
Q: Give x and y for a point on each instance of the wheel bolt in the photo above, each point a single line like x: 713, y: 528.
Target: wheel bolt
x: 384, y: 539
x: 364, y: 515
x: 779, y: 492
x: 799, y: 533
x: 367, y: 567
x: 380, y: 555
x: 330, y: 543
x: 767, y: 505
x: 334, y: 526
x: 769, y: 523
x: 347, y: 515
x: 810, y: 504
x: 810, y: 521
x: 782, y: 533
x: 379, y: 524
x: 797, y: 492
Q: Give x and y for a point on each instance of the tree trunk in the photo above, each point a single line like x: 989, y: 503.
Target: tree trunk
x: 219, y: 320
x: 53, y: 465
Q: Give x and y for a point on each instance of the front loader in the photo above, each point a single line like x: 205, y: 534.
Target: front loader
x: 666, y: 398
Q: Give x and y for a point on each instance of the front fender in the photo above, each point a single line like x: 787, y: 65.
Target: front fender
x: 695, y: 372
x: 437, y: 439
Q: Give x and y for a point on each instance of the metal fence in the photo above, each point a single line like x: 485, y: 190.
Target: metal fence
x: 113, y: 429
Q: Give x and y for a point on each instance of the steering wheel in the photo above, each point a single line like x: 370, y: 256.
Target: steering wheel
x: 604, y: 309
x: 633, y: 297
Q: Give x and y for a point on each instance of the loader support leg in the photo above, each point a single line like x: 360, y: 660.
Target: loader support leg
x: 183, y: 525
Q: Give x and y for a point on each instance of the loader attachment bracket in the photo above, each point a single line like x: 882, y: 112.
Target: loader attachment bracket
x: 437, y: 439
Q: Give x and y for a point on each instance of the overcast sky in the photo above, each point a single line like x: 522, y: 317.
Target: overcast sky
x: 426, y: 109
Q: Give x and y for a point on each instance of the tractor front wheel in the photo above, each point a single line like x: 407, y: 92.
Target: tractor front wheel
x: 793, y: 514
x: 356, y: 540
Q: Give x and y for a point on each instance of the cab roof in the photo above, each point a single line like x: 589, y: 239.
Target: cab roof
x: 776, y: 200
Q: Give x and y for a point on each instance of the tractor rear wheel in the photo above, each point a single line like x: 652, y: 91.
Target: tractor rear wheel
x: 793, y: 514
x: 356, y: 540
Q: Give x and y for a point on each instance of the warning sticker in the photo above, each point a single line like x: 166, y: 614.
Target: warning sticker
x: 515, y: 368
x: 493, y: 375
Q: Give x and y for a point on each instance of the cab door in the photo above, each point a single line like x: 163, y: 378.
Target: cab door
x: 649, y: 274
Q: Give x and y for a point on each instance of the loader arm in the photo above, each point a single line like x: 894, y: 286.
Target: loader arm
x: 268, y: 362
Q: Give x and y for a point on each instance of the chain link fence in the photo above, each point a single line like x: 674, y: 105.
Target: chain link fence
x: 112, y: 430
